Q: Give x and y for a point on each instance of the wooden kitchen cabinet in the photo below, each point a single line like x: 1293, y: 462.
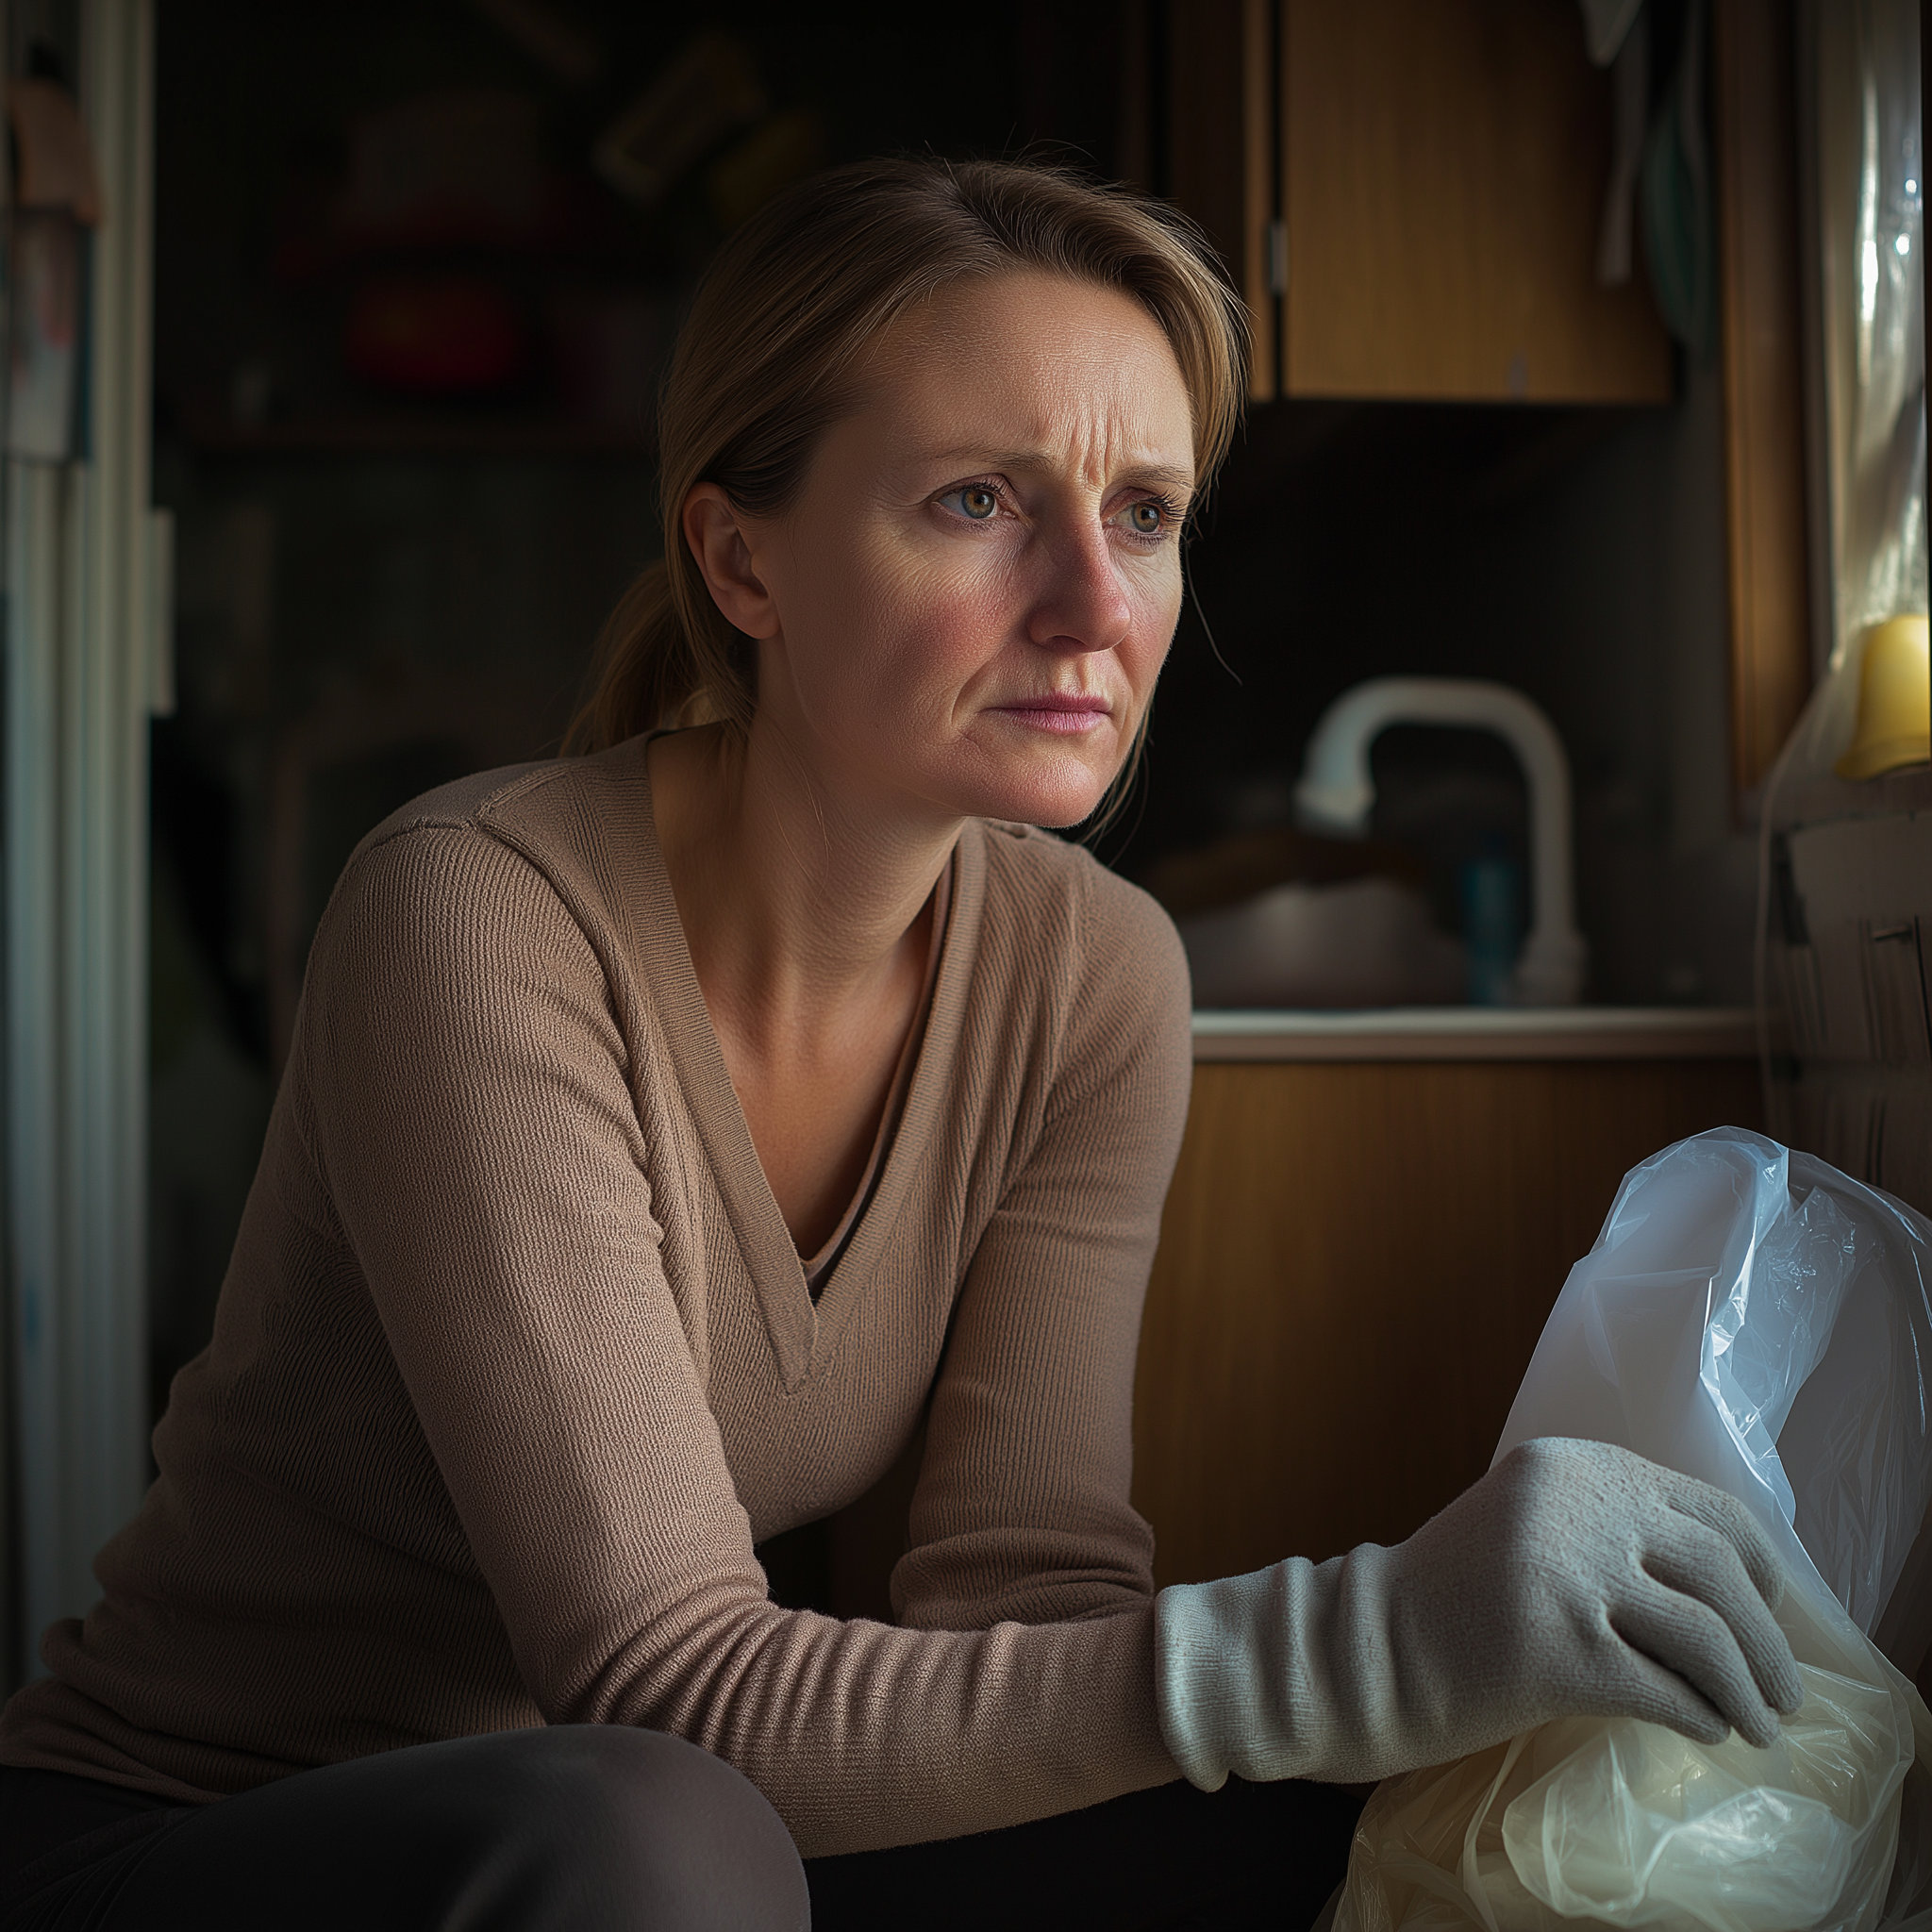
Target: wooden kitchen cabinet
x: 1354, y: 1264
x: 1410, y: 191
x: 1754, y: 118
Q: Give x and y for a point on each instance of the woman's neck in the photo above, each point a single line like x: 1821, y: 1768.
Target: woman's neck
x: 793, y: 902
x: 809, y: 927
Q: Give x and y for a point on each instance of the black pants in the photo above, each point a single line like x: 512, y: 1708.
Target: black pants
x: 1172, y: 1859
x: 595, y: 1826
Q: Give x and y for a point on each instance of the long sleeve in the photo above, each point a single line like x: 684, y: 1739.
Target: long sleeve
x: 515, y: 1358
x: 480, y: 1142
x: 1022, y: 1506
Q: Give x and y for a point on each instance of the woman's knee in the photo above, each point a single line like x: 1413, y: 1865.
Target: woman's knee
x: 516, y: 1831
x: 668, y: 1833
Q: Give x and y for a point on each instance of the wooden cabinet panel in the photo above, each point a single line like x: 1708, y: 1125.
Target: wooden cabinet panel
x: 1219, y: 104
x: 1443, y: 165
x: 1354, y: 1264
x: 1754, y: 95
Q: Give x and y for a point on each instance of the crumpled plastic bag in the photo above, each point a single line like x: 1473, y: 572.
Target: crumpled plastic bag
x: 1759, y: 1320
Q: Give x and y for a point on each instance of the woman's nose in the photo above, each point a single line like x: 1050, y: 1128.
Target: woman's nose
x: 1081, y: 605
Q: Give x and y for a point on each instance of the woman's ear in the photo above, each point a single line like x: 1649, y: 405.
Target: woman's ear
x: 716, y: 534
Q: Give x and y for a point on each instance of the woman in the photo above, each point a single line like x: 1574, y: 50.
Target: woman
x: 670, y: 1131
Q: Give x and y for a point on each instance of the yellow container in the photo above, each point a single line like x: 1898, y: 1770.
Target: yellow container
x: 1894, y: 701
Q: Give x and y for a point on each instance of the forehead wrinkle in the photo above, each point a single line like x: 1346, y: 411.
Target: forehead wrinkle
x: 1165, y: 475
x: 1104, y: 425
x: 1099, y: 452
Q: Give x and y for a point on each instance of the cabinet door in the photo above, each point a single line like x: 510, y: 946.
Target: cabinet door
x: 1219, y: 112
x: 1356, y: 1262
x: 1443, y: 164
x: 1408, y: 194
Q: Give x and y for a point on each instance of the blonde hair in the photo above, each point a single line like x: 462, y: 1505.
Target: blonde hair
x: 768, y: 361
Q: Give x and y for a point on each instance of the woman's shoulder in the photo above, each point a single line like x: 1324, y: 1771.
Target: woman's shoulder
x: 471, y: 803
x: 564, y: 804
x: 536, y: 859
x: 1110, y: 929
x: 1033, y: 865
x: 561, y: 818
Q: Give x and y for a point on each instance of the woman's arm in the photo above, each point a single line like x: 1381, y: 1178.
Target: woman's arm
x: 477, y: 1136
x: 1022, y: 1509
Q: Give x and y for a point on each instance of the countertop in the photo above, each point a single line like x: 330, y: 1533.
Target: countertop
x: 1479, y: 1033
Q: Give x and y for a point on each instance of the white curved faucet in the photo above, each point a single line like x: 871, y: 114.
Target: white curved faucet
x: 1335, y: 795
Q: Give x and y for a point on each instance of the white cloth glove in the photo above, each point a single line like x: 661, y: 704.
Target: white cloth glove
x: 1574, y: 1580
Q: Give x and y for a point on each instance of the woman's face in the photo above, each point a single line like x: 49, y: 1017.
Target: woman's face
x: 965, y: 610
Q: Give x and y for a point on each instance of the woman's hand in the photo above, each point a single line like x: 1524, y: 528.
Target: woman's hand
x: 1574, y: 1580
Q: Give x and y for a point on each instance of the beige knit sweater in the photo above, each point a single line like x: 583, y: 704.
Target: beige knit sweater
x: 515, y: 1359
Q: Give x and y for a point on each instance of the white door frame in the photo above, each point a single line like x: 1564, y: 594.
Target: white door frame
x: 86, y: 649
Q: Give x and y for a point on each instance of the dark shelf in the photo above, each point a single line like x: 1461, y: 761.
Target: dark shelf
x: 399, y: 435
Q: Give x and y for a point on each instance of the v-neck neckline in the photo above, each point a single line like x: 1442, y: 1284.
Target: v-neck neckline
x: 803, y: 1334
x: 823, y: 1262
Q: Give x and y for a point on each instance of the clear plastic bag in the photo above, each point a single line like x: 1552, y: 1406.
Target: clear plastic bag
x: 1758, y: 1319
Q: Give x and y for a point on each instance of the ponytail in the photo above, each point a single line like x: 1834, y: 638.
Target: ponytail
x: 644, y: 671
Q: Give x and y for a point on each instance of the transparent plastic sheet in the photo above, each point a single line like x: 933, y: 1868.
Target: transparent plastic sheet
x: 1871, y: 214
x: 1866, y: 167
x: 1759, y: 1320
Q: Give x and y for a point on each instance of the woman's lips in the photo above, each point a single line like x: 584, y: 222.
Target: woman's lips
x: 1066, y: 717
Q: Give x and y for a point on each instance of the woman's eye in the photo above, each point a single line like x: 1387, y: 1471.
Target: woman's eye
x: 976, y: 501
x: 1150, y: 517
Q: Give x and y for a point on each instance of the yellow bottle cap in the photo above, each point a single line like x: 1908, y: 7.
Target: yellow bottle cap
x: 1894, y: 701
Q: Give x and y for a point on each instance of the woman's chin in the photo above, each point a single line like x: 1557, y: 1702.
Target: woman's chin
x: 1055, y: 791
x: 1055, y: 805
